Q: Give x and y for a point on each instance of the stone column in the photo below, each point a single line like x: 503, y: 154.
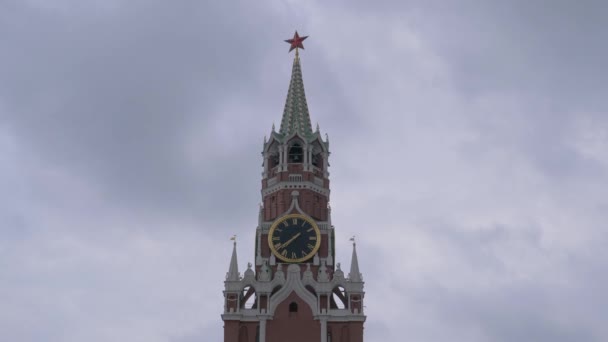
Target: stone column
x: 310, y: 167
x: 266, y: 168
x: 263, y: 329
x: 323, y: 321
x: 330, y: 258
x: 305, y: 156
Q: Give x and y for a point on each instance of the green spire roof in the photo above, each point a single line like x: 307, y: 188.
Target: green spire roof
x: 295, y: 115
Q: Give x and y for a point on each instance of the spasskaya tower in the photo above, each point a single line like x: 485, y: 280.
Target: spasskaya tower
x: 295, y: 292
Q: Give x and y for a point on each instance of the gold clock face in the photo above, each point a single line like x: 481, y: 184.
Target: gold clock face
x: 294, y: 238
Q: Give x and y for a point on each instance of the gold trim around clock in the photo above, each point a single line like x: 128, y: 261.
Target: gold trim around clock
x: 288, y: 217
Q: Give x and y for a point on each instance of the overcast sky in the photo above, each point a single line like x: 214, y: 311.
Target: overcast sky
x: 469, y: 146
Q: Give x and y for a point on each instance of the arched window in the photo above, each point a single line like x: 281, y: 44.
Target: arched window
x: 296, y: 155
x: 293, y: 307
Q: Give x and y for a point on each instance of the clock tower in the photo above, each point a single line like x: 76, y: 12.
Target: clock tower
x: 295, y: 292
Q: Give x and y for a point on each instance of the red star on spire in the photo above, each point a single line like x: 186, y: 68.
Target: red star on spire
x: 296, y: 42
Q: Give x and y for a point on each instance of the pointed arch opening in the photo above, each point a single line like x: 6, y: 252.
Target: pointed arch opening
x: 338, y: 298
x: 311, y: 290
x: 296, y: 153
x: 275, y: 290
x: 273, y: 160
x: 249, y: 299
x: 317, y: 160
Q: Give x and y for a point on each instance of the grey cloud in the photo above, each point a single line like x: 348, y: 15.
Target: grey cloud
x: 130, y: 136
x: 542, y: 48
x: 110, y: 92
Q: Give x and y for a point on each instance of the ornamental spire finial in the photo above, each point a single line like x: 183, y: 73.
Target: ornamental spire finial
x: 296, y: 118
x: 296, y: 42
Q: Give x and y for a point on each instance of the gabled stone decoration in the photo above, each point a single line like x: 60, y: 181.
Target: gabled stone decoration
x: 296, y: 281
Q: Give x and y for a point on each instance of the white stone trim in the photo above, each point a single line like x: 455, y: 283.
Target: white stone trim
x: 293, y: 284
x: 295, y: 186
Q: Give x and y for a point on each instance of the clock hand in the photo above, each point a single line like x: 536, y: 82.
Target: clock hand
x: 289, y: 241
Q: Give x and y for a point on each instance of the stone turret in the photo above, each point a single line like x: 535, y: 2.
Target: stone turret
x: 233, y: 270
x: 354, y: 275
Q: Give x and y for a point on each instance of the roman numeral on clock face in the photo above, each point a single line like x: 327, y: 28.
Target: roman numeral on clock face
x: 277, y: 246
x: 293, y: 255
x: 295, y: 221
x: 284, y: 253
x: 311, y: 247
x: 276, y: 238
x: 314, y: 238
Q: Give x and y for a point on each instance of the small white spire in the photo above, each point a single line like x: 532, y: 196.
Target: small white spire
x: 354, y: 275
x: 233, y: 272
x: 317, y: 126
x: 273, y: 127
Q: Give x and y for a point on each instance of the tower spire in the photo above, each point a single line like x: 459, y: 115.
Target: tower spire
x: 233, y: 271
x: 295, y: 115
x: 354, y: 275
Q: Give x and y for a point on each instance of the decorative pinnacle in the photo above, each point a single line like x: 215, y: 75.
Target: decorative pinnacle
x: 233, y: 270
x: 354, y: 275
